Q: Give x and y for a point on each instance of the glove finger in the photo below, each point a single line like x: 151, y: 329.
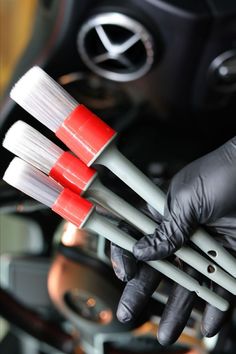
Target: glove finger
x: 137, y: 293
x: 123, y: 263
x: 177, y: 311
x: 213, y: 319
x: 166, y: 240
x: 174, y: 230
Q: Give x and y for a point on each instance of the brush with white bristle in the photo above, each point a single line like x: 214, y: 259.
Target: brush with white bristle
x: 22, y: 176
x: 27, y: 143
x: 30, y: 145
x: 92, y: 141
x: 81, y: 212
x: 41, y: 96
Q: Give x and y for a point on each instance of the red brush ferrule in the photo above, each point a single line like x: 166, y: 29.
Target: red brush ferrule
x: 72, y: 173
x: 73, y: 208
x: 85, y: 134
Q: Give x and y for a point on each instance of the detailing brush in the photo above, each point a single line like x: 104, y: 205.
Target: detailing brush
x: 81, y: 212
x: 92, y: 140
x: 30, y: 145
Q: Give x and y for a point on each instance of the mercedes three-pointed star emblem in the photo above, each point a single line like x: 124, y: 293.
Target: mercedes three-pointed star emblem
x: 116, y: 46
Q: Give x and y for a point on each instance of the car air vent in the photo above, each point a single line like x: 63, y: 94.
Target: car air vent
x: 116, y: 46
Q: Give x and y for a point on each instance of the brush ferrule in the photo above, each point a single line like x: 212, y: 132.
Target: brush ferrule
x: 73, y: 208
x: 85, y: 134
x: 72, y: 173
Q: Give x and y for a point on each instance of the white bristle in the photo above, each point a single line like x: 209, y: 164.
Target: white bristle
x: 43, y: 97
x: 31, y: 181
x: 33, y: 147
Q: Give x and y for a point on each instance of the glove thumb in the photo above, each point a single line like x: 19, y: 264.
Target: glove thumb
x: 173, y: 231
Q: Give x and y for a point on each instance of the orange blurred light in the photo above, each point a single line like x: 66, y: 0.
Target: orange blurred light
x: 91, y: 302
x: 105, y: 316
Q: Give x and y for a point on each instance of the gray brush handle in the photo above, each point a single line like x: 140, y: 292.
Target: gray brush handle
x: 141, y: 184
x: 112, y: 202
x: 100, y: 225
x: 118, y: 206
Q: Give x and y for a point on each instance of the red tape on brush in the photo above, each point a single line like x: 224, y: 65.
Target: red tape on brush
x: 85, y: 134
x: 72, y: 173
x: 72, y: 207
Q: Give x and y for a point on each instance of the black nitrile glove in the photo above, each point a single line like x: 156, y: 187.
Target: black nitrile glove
x: 203, y: 193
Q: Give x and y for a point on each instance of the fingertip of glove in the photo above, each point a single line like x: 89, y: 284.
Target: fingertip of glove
x: 142, y: 250
x: 213, y: 319
x: 122, y: 275
x: 165, y: 338
x: 123, y: 314
x: 208, y: 332
x: 140, y: 253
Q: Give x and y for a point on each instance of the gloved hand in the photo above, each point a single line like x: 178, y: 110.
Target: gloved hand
x: 202, y: 193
